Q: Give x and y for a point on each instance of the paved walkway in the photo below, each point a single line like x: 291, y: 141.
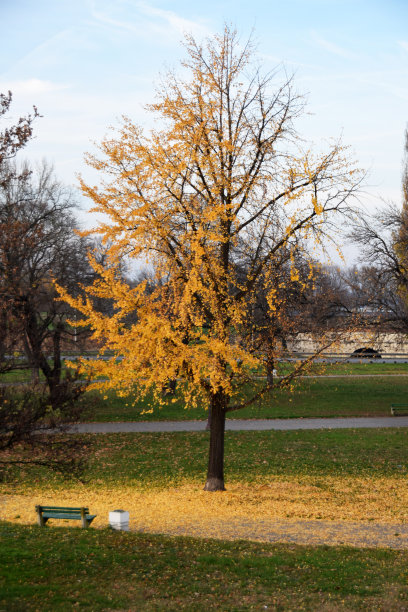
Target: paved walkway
x: 243, y: 425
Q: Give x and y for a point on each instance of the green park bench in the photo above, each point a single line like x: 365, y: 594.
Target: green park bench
x: 59, y: 512
x: 399, y: 408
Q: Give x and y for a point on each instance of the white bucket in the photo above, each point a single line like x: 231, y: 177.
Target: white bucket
x: 119, y: 519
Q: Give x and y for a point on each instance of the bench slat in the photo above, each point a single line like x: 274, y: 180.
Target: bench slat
x: 63, y: 509
x: 60, y: 515
x: 67, y: 516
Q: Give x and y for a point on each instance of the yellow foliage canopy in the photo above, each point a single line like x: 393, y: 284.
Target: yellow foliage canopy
x: 215, y: 199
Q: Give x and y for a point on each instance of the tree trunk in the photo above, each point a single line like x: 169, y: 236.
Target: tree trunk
x: 35, y: 370
x: 54, y: 373
x: 35, y: 341
x: 270, y: 371
x: 208, y: 426
x: 4, y: 335
x: 215, y: 474
x: 169, y: 387
x: 35, y: 375
x: 57, y: 365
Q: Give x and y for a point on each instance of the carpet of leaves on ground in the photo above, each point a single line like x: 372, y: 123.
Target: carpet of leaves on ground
x: 242, y: 511
x: 335, y: 476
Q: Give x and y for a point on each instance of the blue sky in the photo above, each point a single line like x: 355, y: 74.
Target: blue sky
x: 84, y: 63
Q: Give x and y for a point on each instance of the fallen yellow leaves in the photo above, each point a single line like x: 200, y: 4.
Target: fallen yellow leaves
x: 241, y: 509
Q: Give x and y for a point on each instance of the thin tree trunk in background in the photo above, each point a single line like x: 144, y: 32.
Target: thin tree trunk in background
x: 35, y: 370
x: 35, y: 375
x: 57, y: 366
x: 270, y: 371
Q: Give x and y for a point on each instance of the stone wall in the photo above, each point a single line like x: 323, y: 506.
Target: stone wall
x: 385, y: 343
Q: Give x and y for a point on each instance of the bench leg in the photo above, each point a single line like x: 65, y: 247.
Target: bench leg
x: 40, y: 518
x: 83, y: 519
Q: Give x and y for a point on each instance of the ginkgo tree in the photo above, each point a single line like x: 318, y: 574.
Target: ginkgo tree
x: 210, y: 199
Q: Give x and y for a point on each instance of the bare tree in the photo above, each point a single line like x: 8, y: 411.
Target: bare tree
x: 38, y: 244
x: 309, y: 299
x: 12, y: 139
x: 383, y: 238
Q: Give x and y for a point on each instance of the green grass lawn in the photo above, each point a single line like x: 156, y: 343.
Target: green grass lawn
x: 162, y: 459
x: 69, y: 569
x: 343, y: 369
x: 313, y: 397
x: 363, y: 368
x: 59, y: 568
x: 353, y: 393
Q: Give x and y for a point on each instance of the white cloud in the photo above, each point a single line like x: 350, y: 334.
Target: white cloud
x: 332, y: 47
x: 403, y: 44
x: 45, y: 54
x: 180, y: 24
x: 159, y: 20
x: 31, y: 86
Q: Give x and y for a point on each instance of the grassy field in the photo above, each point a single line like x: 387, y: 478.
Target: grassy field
x: 70, y: 569
x: 313, y: 397
x: 321, y: 477
x: 338, y: 475
x: 352, y: 475
x: 361, y: 389
x: 161, y: 459
x: 343, y: 369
